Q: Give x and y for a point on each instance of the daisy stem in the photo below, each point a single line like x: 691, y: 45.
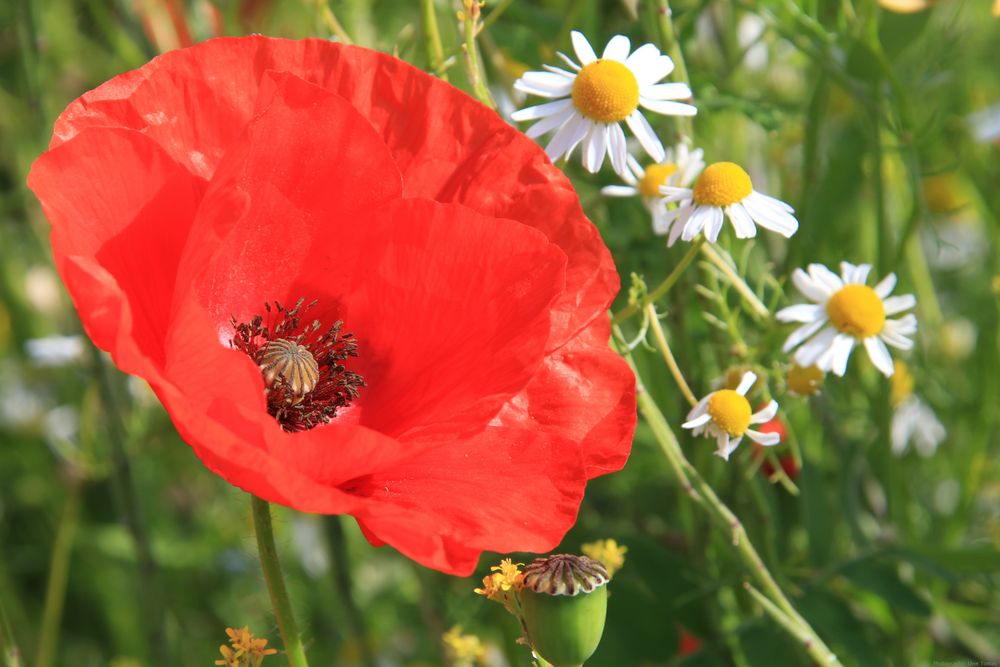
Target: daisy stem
x: 268, y: 553
x: 668, y: 356
x: 700, y: 490
x: 664, y: 287
x: 432, y: 39
x: 668, y: 40
x: 736, y: 281
x: 470, y: 53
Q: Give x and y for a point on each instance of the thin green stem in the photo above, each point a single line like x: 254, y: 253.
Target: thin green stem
x: 740, y: 285
x: 55, y: 589
x: 268, y: 553
x: 432, y: 39
x: 664, y: 287
x: 668, y: 356
x: 669, y: 43
x: 470, y: 53
x: 332, y: 23
x: 724, y: 517
x: 779, y: 616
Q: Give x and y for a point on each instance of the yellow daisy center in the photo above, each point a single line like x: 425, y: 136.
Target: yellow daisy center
x: 722, y: 184
x: 730, y: 411
x: 805, y: 380
x: 856, y: 310
x: 654, y: 177
x: 606, y: 91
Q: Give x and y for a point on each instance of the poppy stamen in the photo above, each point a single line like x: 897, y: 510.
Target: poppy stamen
x: 304, y: 377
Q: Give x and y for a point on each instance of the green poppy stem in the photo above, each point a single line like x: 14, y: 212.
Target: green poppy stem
x: 276, y: 583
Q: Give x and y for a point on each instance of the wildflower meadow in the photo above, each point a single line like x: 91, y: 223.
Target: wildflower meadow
x: 512, y: 333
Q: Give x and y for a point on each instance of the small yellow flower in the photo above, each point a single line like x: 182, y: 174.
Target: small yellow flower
x: 609, y: 552
x: 463, y: 649
x: 503, y: 578
x: 246, y: 651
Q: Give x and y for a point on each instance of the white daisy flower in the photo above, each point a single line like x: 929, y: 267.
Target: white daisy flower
x: 679, y: 167
x: 724, y: 190
x: 852, y: 312
x: 593, y: 99
x: 726, y: 415
x: 913, y: 421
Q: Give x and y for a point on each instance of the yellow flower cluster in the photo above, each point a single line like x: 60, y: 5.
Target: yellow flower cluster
x: 608, y: 552
x: 504, y: 577
x: 245, y: 650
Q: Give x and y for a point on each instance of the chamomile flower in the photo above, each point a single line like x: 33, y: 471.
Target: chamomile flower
x: 846, y: 312
x: 724, y: 190
x: 680, y: 167
x: 593, y: 99
x: 726, y: 415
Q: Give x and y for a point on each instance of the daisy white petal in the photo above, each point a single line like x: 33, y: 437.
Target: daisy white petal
x: 814, y: 349
x: 619, y: 191
x: 897, y: 304
x: 617, y: 148
x: 825, y: 276
x: 769, y: 216
x: 746, y: 382
x: 584, y: 51
x: 667, y: 91
x: 544, y: 84
x: 569, y: 61
x: 765, y: 414
x: 617, y: 49
x: 727, y: 445
x: 643, y: 58
x: 560, y: 71
x: 803, y: 312
x: 905, y: 326
x: 840, y: 354
x: 886, y: 285
x: 812, y: 289
x: 566, y: 139
x: 668, y: 107
x: 595, y: 145
x: 643, y: 131
x: 897, y: 341
x: 549, y: 123
x: 656, y: 70
x: 542, y: 110
x: 697, y: 421
x: 802, y: 333
x: 714, y: 225
x: 765, y: 439
x: 879, y: 354
x: 742, y: 222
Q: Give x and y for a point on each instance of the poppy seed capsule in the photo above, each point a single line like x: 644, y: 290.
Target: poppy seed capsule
x: 291, y: 362
x: 565, y: 601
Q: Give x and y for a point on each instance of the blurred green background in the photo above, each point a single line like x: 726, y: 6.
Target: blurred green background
x: 881, y: 127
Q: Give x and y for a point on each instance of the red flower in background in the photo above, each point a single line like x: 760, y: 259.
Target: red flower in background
x: 446, y: 378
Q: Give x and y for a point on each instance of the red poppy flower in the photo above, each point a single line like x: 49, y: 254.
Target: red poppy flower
x: 456, y: 391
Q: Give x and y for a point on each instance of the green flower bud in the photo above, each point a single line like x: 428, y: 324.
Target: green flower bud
x: 565, y: 601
